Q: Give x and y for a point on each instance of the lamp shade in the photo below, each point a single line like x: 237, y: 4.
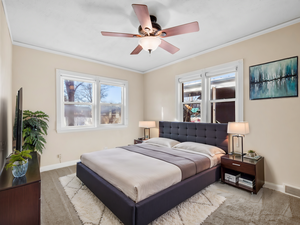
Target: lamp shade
x: 238, y: 128
x: 147, y: 124
x: 149, y: 43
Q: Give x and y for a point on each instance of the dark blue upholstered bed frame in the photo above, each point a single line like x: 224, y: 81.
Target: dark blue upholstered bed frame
x: 143, y: 212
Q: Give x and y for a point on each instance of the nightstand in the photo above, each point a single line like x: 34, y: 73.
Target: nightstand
x: 254, y: 168
x: 137, y: 141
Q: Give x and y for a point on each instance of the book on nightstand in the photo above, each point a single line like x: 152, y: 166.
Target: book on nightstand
x: 247, y: 180
x: 257, y: 157
x: 232, y: 177
x: 246, y: 184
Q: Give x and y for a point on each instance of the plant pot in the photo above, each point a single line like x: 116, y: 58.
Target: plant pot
x: 20, y: 168
x: 252, y: 154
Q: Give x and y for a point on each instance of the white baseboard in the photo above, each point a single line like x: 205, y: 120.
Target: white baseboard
x: 275, y: 187
x: 280, y: 188
x: 58, y: 165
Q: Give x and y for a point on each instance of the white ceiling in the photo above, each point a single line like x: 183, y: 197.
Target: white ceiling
x: 73, y: 26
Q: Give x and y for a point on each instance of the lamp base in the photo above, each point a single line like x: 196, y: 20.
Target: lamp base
x: 146, y: 134
x: 237, y: 153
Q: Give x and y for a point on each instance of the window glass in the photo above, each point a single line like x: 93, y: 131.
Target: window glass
x: 111, y: 94
x: 191, y: 91
x: 211, y: 95
x: 222, y: 112
x: 78, y: 115
x: 87, y: 102
x: 111, y: 114
x: 78, y: 103
x: 222, y: 87
x: 192, y: 113
x: 78, y: 91
x: 111, y: 104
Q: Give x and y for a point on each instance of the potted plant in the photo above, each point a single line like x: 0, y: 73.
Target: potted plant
x: 251, y: 153
x: 35, y: 126
x: 19, y: 162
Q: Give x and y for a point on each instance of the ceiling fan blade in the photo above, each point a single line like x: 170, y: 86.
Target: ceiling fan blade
x: 143, y: 16
x: 114, y: 34
x: 137, y: 50
x: 181, y: 29
x: 168, y: 47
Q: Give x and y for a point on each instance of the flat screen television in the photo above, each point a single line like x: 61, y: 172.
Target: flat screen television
x: 17, y: 130
x: 18, y: 125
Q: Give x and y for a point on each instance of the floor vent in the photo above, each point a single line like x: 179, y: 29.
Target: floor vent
x: 292, y: 190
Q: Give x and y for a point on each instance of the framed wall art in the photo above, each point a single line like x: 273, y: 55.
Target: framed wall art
x: 277, y: 79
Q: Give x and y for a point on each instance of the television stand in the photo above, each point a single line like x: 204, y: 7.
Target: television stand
x: 20, y: 198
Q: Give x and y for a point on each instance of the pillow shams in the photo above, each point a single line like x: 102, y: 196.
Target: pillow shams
x: 201, y: 148
x: 166, y: 142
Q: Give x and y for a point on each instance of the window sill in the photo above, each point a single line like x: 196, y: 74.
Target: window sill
x: 80, y: 129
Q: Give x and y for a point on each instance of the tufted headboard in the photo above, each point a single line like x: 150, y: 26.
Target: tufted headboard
x: 206, y: 133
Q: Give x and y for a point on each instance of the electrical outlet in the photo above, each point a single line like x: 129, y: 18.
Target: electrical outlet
x: 59, y: 156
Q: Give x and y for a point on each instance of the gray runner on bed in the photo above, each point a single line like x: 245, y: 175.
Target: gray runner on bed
x: 189, y: 163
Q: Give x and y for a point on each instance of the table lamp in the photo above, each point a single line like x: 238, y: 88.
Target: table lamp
x: 239, y: 129
x: 147, y: 125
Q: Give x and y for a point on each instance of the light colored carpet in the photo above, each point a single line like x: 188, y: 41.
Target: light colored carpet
x: 92, y: 211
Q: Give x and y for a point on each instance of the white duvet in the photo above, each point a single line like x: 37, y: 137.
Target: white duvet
x: 137, y: 176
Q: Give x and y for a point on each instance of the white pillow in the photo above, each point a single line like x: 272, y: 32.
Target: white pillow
x: 166, y: 142
x: 201, y: 148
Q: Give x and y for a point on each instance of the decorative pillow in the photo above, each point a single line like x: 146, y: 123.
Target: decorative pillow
x: 202, y: 148
x: 166, y: 142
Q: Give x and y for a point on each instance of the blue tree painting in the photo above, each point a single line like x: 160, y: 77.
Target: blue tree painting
x: 276, y: 79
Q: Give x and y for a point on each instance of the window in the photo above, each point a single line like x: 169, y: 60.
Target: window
x: 78, y: 102
x: 222, y: 98
x: 111, y: 106
x: 191, y: 101
x: 211, y: 95
x: 86, y: 102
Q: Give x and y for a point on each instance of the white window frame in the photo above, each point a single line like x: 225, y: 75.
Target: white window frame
x: 97, y: 80
x: 204, y: 75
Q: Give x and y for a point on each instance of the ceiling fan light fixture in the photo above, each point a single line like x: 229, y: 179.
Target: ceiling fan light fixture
x: 149, y: 43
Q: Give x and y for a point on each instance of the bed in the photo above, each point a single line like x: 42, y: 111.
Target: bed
x: 147, y: 210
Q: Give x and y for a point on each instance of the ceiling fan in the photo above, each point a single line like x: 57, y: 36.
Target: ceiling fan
x: 150, y: 32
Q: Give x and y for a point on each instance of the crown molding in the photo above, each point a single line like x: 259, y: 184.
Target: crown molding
x: 58, y: 52
x: 72, y: 56
x: 256, y: 34
x: 6, y: 16
x: 262, y: 32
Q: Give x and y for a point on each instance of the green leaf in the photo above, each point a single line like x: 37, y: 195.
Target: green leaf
x: 18, y: 157
x: 35, y: 126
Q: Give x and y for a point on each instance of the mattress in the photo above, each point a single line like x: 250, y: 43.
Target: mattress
x: 137, y: 175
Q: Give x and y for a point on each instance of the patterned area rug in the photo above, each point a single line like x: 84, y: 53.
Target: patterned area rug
x: 92, y: 211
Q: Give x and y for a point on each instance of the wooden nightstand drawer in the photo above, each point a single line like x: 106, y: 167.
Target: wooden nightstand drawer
x: 238, y: 166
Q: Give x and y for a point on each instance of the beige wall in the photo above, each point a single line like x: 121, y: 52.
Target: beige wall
x: 5, y: 87
x: 274, y: 123
x: 35, y: 72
